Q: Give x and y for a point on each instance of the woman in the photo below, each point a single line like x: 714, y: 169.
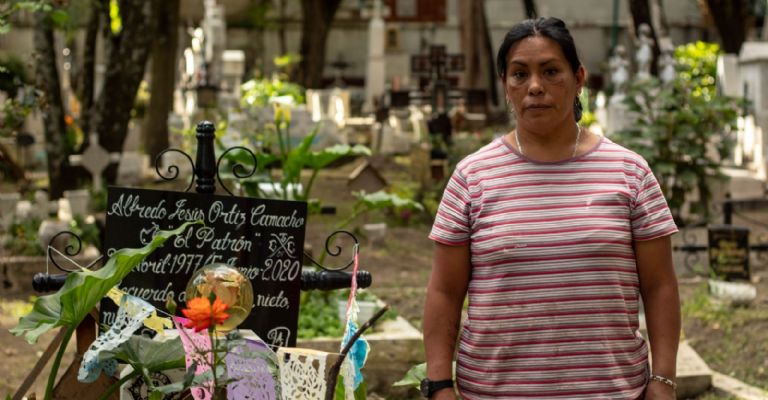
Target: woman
x: 554, y: 233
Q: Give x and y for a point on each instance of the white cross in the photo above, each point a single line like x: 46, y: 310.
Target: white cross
x: 95, y: 159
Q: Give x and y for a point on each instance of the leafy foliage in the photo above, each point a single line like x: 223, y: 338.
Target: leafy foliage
x: 14, y: 111
x: 414, y: 376
x: 697, y: 66
x: 275, y: 142
x: 683, y: 129
x: 22, y: 238
x: 319, y: 316
x: 13, y: 75
x: 367, y: 202
x: 83, y: 289
x: 10, y: 7
x: 261, y: 92
x: 145, y: 353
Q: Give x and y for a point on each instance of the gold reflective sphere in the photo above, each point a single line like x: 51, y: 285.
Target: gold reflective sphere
x: 229, y: 285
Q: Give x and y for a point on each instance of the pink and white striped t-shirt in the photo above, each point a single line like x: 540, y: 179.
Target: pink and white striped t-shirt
x: 554, y: 291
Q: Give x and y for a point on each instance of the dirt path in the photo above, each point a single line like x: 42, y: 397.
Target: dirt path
x: 19, y: 357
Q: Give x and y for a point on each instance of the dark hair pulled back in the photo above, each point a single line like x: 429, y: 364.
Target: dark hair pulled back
x: 549, y: 27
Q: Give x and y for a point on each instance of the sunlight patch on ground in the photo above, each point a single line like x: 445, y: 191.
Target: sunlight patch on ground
x: 12, y: 310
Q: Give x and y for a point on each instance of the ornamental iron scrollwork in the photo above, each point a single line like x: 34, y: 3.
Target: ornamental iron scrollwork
x: 335, y: 252
x: 173, y: 169
x: 207, y: 167
x: 70, y: 250
x: 238, y: 170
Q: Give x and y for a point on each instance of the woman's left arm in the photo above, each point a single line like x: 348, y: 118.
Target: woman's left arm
x: 658, y: 286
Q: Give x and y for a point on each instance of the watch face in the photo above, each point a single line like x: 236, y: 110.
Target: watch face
x: 424, y: 387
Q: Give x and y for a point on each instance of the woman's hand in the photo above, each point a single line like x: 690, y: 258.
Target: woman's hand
x: 659, y: 391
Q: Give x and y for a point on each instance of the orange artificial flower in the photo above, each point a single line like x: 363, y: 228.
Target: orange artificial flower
x: 201, y: 314
x: 68, y: 120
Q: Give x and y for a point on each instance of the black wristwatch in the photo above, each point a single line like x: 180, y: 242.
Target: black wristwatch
x: 429, y: 388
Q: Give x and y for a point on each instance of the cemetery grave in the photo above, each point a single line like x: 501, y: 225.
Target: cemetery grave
x: 416, y: 136
x: 401, y: 265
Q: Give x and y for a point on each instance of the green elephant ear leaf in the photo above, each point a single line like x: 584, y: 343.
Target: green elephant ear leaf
x: 414, y: 376
x: 154, y: 355
x: 84, y: 289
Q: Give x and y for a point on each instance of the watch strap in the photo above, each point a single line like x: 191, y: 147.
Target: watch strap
x: 439, y: 385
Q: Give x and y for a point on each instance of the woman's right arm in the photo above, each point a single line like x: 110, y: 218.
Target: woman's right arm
x: 442, y: 310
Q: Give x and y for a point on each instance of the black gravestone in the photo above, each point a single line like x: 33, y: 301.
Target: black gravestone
x: 263, y: 238
x: 729, y: 252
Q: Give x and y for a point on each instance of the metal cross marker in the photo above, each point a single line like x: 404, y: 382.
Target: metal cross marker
x: 434, y: 68
x: 95, y: 159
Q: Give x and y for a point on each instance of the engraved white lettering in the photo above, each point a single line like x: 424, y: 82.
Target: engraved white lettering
x: 272, y: 301
x: 182, y: 213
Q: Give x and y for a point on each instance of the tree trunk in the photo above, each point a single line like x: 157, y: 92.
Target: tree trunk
x: 641, y: 14
x: 730, y: 18
x: 16, y: 171
x: 317, y: 16
x: 51, y: 105
x: 479, y: 65
x: 88, y: 74
x: 491, y: 64
x: 163, y: 79
x: 282, y: 47
x: 127, y: 57
x: 659, y: 18
x: 530, y: 9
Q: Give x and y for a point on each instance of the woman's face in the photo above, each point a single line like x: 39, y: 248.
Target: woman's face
x: 540, y: 84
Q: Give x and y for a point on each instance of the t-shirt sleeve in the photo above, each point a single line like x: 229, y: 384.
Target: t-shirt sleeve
x: 650, y: 216
x: 452, y: 225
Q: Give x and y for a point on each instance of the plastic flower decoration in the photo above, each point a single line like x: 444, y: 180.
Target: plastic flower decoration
x: 201, y: 314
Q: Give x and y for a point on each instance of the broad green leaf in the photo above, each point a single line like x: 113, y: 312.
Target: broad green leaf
x: 60, y: 18
x: 321, y: 159
x: 263, y: 160
x: 159, y: 391
x: 294, y: 161
x: 382, y: 199
x: 84, y: 289
x: 361, y: 393
x: 414, y: 376
x: 154, y: 355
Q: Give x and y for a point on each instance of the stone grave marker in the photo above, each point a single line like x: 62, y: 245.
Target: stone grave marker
x: 132, y: 168
x: 729, y: 263
x: 376, y: 66
x: 728, y: 75
x: 8, y: 202
x: 78, y: 201
x: 729, y: 252
x: 95, y: 160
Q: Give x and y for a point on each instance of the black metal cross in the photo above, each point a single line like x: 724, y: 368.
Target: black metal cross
x: 435, y: 66
x: 437, y: 63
